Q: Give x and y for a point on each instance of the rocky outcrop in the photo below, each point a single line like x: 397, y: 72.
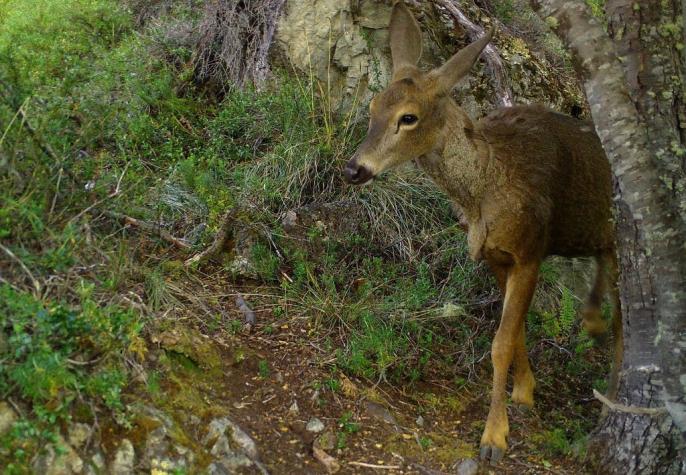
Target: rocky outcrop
x: 343, y: 46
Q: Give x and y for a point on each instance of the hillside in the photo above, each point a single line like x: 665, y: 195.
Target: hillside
x: 331, y: 326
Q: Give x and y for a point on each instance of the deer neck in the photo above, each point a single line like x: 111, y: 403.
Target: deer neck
x: 458, y: 165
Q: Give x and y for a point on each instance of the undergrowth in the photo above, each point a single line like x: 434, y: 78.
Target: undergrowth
x: 97, y: 117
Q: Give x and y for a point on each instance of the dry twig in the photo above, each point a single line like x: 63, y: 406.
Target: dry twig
x: 26, y: 270
x: 149, y: 227
x: 614, y: 406
x: 220, y: 240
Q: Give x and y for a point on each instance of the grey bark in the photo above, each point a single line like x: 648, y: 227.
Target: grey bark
x: 637, y: 108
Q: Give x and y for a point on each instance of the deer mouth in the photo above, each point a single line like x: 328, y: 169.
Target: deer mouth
x: 355, y: 174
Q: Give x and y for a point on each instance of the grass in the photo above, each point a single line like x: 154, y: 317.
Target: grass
x: 60, y: 356
x: 97, y: 115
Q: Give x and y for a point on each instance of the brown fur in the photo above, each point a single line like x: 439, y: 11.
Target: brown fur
x: 530, y: 182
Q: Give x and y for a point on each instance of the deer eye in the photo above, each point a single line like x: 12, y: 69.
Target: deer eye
x: 408, y: 119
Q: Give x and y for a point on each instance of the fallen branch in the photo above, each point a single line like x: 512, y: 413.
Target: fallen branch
x: 148, y: 227
x: 26, y: 270
x: 490, y: 53
x: 614, y: 406
x: 220, y: 240
x: 378, y: 467
x: 113, y: 194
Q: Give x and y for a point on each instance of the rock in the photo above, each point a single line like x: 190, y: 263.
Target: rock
x: 230, y: 446
x: 326, y: 441
x: 468, y: 467
x: 226, y: 457
x: 79, y: 434
x: 7, y: 417
x: 450, y: 310
x: 124, y: 459
x: 315, y: 425
x: 331, y: 464
x: 160, y: 452
x: 96, y: 466
x: 419, y: 421
x: 192, y: 344
x: 356, y: 32
x: 377, y: 411
x: 294, y: 410
x: 67, y: 462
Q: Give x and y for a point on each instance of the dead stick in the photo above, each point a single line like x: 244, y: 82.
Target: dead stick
x: 220, y: 240
x: 149, y: 227
x: 490, y: 52
x: 374, y: 466
x: 614, y: 406
x: 26, y: 270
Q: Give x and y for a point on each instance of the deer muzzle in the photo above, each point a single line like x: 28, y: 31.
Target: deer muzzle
x: 356, y: 174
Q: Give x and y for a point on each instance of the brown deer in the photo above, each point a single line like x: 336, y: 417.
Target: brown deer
x: 530, y: 182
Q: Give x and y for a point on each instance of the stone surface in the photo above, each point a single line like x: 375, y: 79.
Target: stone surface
x: 7, y: 417
x: 124, y: 459
x: 326, y: 441
x: 377, y: 411
x: 468, y: 467
x: 343, y: 44
x: 315, y: 425
x: 230, y: 446
x: 79, y: 434
x: 330, y: 463
x: 63, y: 462
x: 96, y: 465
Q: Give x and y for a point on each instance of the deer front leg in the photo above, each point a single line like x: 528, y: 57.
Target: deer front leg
x: 524, y: 381
x: 521, y: 283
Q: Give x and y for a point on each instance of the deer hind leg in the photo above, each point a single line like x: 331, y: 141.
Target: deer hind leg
x: 591, y: 314
x: 524, y: 381
x: 521, y: 283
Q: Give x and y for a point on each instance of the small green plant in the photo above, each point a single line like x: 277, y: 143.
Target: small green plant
x: 597, y: 8
x: 234, y: 326
x: 263, y: 369
x: 333, y: 384
x: 504, y: 10
x: 346, y: 428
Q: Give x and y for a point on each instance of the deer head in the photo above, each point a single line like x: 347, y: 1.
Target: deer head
x: 406, y: 120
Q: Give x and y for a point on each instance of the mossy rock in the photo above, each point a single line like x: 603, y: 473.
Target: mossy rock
x: 191, y: 344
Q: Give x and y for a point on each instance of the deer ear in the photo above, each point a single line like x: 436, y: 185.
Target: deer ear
x: 406, y: 38
x: 459, y: 65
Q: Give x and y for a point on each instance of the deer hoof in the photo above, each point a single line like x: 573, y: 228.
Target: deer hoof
x: 523, y: 408
x: 491, y: 454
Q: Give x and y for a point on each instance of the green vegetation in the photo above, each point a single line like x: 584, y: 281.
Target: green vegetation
x: 100, y: 118
x: 57, y: 358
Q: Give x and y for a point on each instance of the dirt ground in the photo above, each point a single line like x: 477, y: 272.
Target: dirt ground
x: 274, y: 378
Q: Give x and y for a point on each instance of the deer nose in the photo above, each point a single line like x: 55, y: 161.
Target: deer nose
x: 356, y: 174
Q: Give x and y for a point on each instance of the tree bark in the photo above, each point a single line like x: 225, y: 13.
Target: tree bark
x: 637, y: 108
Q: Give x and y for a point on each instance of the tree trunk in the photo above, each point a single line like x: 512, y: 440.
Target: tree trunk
x: 638, y: 110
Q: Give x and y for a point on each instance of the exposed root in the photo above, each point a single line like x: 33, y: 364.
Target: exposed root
x: 220, y: 240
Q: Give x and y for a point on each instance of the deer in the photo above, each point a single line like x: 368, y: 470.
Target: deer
x: 529, y: 181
